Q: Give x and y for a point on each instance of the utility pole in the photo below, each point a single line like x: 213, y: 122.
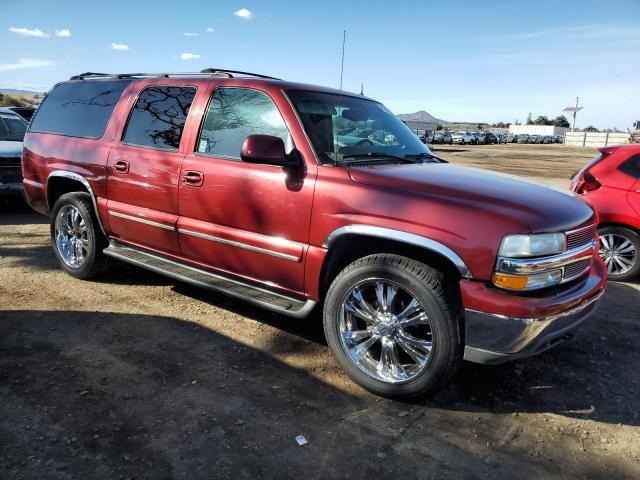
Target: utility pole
x: 573, y: 111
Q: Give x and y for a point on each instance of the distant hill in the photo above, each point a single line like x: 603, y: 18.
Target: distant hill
x: 420, y: 116
x: 28, y: 94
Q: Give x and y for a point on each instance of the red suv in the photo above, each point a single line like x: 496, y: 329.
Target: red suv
x: 294, y: 196
x: 611, y: 184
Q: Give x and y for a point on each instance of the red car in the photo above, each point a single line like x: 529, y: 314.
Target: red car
x: 611, y: 184
x: 294, y: 197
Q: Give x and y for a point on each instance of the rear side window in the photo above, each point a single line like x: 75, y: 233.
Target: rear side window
x: 158, y: 117
x: 631, y: 166
x: 233, y: 115
x: 78, y: 109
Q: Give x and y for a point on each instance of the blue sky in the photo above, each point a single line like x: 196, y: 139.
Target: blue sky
x: 460, y: 61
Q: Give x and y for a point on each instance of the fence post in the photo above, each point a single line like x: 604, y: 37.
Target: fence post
x: 584, y: 139
x: 606, y: 140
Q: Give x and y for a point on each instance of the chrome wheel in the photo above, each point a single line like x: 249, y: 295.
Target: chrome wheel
x: 385, y: 331
x: 71, y: 236
x: 618, y: 252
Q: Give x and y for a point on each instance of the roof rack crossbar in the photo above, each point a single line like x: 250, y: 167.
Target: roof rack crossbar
x: 206, y: 72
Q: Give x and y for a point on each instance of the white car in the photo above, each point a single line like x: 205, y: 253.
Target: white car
x: 463, y: 138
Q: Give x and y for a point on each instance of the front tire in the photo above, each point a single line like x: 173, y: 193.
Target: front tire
x: 76, y: 236
x: 620, y: 250
x: 393, y: 325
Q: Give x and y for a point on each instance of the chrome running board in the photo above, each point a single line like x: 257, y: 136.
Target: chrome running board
x: 293, y: 307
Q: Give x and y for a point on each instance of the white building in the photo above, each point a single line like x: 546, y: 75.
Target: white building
x: 537, y: 130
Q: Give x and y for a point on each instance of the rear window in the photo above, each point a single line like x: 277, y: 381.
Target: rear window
x: 158, y: 117
x: 12, y: 128
x: 631, y: 166
x: 78, y: 109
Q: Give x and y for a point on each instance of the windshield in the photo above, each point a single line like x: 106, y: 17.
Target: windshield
x: 342, y: 127
x: 12, y: 128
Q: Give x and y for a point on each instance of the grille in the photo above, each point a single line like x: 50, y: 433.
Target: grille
x: 10, y: 170
x: 581, y: 237
x: 576, y: 269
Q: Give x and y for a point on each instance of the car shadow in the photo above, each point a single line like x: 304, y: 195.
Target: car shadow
x: 106, y: 395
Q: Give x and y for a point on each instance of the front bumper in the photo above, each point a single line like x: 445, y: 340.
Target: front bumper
x: 501, y: 327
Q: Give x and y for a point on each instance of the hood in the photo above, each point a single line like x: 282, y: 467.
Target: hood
x: 10, y: 149
x: 533, y: 206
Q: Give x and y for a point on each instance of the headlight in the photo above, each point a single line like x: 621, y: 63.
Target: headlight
x: 518, y: 246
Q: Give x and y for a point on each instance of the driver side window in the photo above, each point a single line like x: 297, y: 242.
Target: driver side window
x: 233, y: 115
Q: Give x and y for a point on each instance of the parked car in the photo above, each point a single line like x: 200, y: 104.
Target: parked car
x: 512, y: 138
x: 237, y: 183
x: 437, y: 138
x: 24, y: 112
x: 532, y: 139
x: 522, y: 138
x: 610, y: 183
x: 503, y: 138
x: 558, y: 139
x: 480, y: 137
x: 464, y: 138
x: 546, y: 139
x: 490, y: 138
x: 446, y: 137
x: 12, y: 130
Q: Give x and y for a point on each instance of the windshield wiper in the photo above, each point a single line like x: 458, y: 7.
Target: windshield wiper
x: 427, y: 155
x: 358, y: 156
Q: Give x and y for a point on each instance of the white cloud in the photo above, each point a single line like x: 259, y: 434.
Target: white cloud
x: 210, y: 30
x: 190, y: 34
x: 26, y: 32
x: 25, y: 63
x: 65, y: 32
x: 119, y: 46
x: 189, y: 56
x: 244, y: 13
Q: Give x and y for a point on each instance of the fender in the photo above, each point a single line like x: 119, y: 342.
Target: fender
x: 400, y: 236
x: 80, y: 179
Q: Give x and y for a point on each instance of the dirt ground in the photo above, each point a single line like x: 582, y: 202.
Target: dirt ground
x: 137, y: 376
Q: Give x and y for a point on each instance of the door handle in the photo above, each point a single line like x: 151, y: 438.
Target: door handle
x: 193, y: 178
x: 121, y: 166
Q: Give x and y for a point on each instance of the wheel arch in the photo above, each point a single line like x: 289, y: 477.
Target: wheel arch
x: 351, y: 242
x: 60, y: 182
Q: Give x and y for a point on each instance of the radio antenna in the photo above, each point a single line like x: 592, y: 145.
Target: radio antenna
x: 339, y: 111
x: 344, y: 40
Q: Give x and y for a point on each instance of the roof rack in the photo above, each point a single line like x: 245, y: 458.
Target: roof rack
x: 209, y: 72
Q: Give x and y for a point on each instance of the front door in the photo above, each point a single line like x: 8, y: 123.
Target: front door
x: 251, y: 220
x: 143, y: 169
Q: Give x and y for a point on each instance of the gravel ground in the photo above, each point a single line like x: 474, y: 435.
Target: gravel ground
x: 136, y: 376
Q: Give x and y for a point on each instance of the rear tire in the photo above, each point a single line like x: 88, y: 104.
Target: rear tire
x: 76, y: 236
x: 381, y: 346
x: 620, y: 250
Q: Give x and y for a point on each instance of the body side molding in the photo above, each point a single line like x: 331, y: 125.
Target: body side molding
x: 400, y: 236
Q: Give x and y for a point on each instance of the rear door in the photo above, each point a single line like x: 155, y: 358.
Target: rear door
x: 247, y: 219
x: 144, y: 167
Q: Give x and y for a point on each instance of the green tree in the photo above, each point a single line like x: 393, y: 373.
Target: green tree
x: 561, y: 121
x: 529, y: 119
x: 590, y: 128
x: 542, y: 120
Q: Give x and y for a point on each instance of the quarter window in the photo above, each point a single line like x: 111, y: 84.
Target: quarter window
x: 78, y: 109
x: 158, y: 117
x: 233, y: 115
x: 631, y: 166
